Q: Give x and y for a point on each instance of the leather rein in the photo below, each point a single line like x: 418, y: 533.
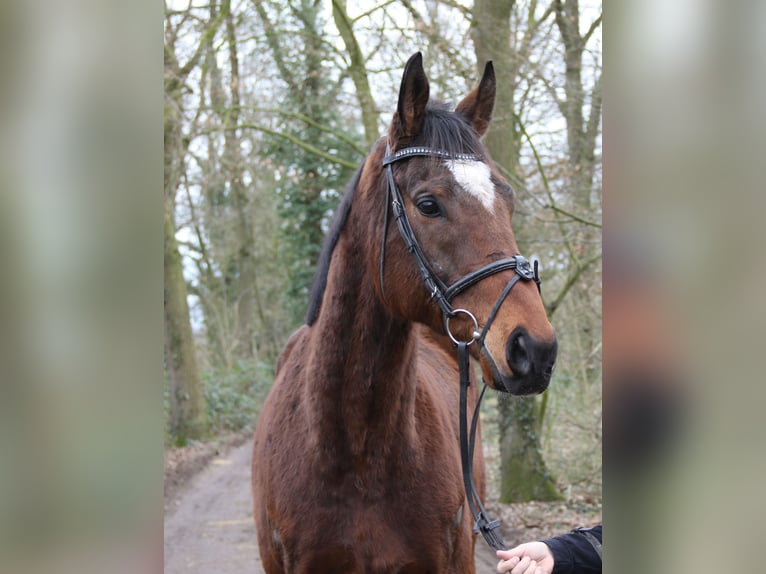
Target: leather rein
x: 443, y: 295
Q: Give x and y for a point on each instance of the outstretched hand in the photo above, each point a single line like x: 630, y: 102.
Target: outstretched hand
x: 528, y: 558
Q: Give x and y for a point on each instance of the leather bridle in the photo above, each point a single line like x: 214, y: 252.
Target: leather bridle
x: 443, y: 295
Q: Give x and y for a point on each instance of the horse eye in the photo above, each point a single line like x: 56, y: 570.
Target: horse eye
x: 429, y: 207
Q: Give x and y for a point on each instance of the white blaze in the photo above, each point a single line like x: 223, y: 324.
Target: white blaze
x: 474, y: 177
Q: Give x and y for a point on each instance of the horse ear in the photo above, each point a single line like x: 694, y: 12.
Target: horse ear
x: 413, y: 97
x: 477, y: 106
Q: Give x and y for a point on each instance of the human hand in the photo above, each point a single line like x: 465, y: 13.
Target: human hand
x: 527, y: 558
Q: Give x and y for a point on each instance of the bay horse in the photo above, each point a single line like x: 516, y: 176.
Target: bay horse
x: 356, y: 461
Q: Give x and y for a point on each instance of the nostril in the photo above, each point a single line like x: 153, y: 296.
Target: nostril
x: 518, y: 353
x: 528, y: 357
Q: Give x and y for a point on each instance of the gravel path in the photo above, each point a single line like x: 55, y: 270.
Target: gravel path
x: 209, y: 526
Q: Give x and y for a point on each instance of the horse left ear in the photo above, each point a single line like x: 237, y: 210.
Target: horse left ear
x: 477, y: 106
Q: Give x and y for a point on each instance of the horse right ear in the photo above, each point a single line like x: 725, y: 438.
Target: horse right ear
x: 413, y: 97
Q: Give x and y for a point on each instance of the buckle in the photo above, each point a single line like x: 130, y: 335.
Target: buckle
x: 523, y: 268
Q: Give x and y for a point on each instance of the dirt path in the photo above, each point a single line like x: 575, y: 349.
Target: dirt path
x: 209, y: 527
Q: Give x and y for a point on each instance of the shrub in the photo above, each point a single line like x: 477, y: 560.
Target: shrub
x: 234, y: 397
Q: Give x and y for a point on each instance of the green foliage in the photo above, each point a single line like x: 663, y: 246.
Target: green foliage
x: 309, y: 187
x: 234, y: 397
x: 305, y: 203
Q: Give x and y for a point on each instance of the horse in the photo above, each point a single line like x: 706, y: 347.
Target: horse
x: 356, y: 461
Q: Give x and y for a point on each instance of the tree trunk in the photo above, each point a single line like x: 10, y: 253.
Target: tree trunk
x: 187, y: 403
x: 582, y: 135
x: 524, y: 474
x: 491, y: 35
x: 219, y: 274
x: 232, y: 163
x: 581, y: 131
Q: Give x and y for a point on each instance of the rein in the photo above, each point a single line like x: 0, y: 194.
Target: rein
x: 443, y: 295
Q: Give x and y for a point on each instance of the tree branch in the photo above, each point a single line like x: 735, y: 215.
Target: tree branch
x: 313, y: 123
x: 276, y: 49
x: 546, y: 185
x: 531, y: 31
x: 467, y: 13
x: 571, y: 280
x: 308, y: 121
x: 571, y: 215
x: 372, y: 11
x: 544, y: 17
x: 303, y: 145
x: 595, y: 24
x: 437, y: 39
x: 551, y: 89
x: 594, y: 116
x: 357, y: 70
x: 206, y: 37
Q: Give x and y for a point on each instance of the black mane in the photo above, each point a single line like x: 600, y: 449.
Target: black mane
x: 442, y: 129
x: 448, y: 131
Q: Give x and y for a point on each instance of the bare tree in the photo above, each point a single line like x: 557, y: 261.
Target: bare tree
x: 277, y: 103
x: 187, y: 405
x: 525, y: 475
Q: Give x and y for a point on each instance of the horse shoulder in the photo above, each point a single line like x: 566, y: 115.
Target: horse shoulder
x: 274, y: 456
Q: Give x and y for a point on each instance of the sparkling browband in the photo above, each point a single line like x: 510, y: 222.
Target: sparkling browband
x: 427, y: 151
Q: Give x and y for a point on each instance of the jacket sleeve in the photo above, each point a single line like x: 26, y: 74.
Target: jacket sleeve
x: 578, y: 552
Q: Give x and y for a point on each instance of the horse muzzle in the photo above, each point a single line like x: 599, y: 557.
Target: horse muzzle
x: 530, y: 361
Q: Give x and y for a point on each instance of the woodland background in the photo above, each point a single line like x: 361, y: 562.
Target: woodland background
x: 269, y: 108
x: 81, y: 326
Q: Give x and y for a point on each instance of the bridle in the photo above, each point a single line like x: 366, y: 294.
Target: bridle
x: 443, y: 295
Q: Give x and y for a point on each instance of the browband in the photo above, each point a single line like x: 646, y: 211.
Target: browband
x: 427, y: 151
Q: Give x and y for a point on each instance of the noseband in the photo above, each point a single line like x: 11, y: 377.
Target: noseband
x: 443, y: 295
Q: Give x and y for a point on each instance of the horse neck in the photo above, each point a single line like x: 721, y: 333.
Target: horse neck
x: 362, y: 395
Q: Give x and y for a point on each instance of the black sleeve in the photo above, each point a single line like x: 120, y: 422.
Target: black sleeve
x: 578, y: 552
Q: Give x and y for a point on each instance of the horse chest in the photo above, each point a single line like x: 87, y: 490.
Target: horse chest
x: 375, y: 543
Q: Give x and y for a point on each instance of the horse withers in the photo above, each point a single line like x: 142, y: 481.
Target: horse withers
x: 356, y: 460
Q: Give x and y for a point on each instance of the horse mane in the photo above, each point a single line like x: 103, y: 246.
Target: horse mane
x: 448, y: 131
x: 442, y: 129
x: 331, y: 239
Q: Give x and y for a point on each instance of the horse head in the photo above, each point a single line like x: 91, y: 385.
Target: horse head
x: 443, y: 189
